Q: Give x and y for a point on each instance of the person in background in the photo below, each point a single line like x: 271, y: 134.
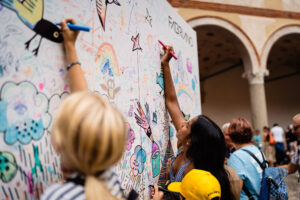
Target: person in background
x: 269, y: 149
x: 280, y: 147
x: 196, y: 185
x: 257, y: 139
x: 294, y: 165
x: 291, y: 141
x: 249, y: 172
x: 202, y: 141
x: 90, y: 136
x: 229, y: 144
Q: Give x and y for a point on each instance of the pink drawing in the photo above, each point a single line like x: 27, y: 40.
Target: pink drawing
x: 189, y: 65
x: 30, y: 184
x: 136, y: 42
x: 131, y: 137
x: 41, y: 86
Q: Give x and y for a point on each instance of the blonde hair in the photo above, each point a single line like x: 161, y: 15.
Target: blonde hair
x: 90, y: 135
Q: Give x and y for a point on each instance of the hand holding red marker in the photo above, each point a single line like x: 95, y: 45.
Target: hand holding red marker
x: 164, y: 46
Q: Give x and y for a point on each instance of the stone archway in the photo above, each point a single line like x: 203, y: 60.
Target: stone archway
x: 242, y: 51
x: 281, y: 57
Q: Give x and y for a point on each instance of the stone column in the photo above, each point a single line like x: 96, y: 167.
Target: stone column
x: 257, y: 100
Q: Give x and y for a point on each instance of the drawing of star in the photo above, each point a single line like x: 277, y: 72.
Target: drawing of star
x: 148, y: 18
x: 136, y: 42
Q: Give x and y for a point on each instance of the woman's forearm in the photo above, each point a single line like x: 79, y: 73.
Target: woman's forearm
x: 171, y: 97
x: 76, y: 78
x: 170, y: 93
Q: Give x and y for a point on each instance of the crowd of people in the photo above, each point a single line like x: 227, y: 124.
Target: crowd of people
x: 210, y: 164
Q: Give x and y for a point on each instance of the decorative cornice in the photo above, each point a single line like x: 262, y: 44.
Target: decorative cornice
x: 244, y: 10
x: 256, y: 78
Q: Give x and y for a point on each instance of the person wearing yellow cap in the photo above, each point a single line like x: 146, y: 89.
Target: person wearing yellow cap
x: 196, y: 185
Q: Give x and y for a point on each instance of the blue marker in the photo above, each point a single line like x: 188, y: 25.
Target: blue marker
x: 76, y: 27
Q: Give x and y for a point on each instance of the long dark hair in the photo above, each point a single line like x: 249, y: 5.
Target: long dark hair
x: 207, y: 152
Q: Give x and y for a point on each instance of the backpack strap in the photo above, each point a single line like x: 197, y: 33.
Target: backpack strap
x: 249, y: 195
x: 262, y: 165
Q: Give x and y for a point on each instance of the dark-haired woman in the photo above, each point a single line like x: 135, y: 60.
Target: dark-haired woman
x: 248, y: 170
x: 201, y: 142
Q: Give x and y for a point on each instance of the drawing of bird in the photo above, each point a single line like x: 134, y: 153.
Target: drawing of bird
x: 109, y: 87
x: 30, y: 12
x: 113, y: 2
x: 101, y: 6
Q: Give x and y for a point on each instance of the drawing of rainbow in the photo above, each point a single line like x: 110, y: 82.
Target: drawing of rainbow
x: 106, y: 59
x: 182, y: 89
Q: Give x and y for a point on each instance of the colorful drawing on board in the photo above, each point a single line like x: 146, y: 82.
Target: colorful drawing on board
x: 182, y: 90
x: 101, y: 6
x: 130, y: 111
x: 187, y: 117
x: 141, y: 120
x: 8, y: 166
x: 160, y: 81
x: 163, y: 172
x: 31, y: 14
x: 110, y: 88
x: 154, y: 117
x: 147, y: 112
x: 37, y: 161
x: 131, y: 137
x: 138, y: 160
x: 148, y: 17
x: 171, y: 131
x: 23, y: 112
x: 106, y: 60
x: 189, y: 66
x: 8, y: 59
x: 136, y: 42
x: 193, y: 85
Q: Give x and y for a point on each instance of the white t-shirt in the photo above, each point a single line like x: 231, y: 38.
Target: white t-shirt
x: 278, y: 133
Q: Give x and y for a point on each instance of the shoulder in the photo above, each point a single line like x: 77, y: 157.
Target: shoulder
x: 67, y: 190
x: 232, y: 175
x: 235, y: 159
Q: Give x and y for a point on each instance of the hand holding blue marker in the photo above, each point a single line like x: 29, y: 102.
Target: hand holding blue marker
x: 76, y: 27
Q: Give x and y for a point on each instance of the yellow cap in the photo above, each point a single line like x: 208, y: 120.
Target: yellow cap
x: 197, y: 185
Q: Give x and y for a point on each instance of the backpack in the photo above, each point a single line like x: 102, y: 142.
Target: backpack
x: 272, y: 140
x: 272, y: 186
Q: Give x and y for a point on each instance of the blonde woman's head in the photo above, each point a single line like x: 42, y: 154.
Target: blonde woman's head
x: 89, y: 134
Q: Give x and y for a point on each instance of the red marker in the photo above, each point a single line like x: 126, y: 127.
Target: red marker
x: 164, y: 46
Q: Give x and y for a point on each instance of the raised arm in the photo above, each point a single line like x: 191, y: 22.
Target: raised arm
x: 290, y: 167
x: 170, y: 94
x: 76, y: 78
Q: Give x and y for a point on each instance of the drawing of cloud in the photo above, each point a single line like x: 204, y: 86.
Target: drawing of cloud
x: 137, y: 160
x: 54, y: 103
x: 23, y: 112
